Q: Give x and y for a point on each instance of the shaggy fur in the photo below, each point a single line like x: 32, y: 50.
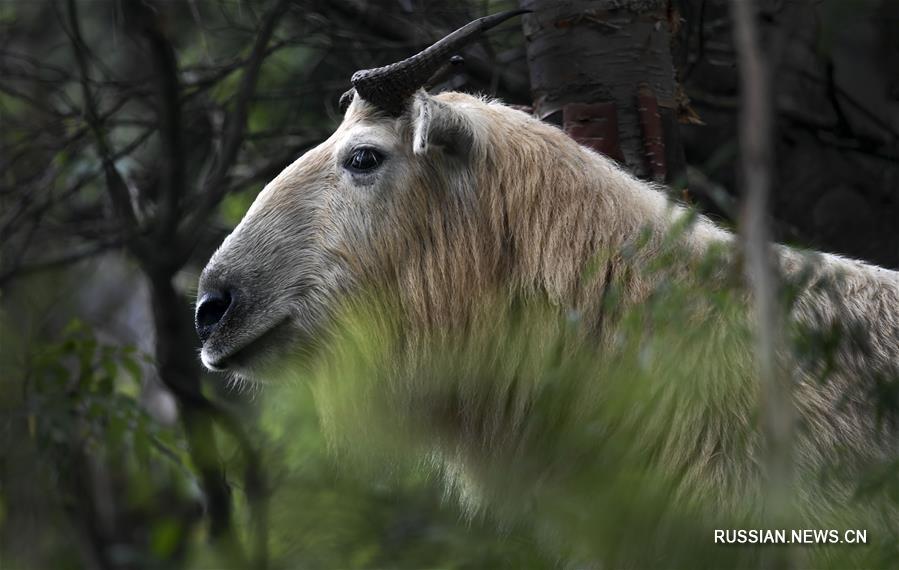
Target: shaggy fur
x: 475, y: 200
x: 529, y: 210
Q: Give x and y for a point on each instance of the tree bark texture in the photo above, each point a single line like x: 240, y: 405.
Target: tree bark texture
x: 178, y: 368
x: 602, y: 69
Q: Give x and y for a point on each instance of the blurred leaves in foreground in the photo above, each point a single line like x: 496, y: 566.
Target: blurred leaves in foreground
x: 631, y: 455
x: 78, y: 447
x: 512, y: 443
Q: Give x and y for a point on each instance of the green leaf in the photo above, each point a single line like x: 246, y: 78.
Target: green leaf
x: 164, y: 537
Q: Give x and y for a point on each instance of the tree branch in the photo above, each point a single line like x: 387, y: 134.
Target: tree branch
x: 168, y: 90
x: 756, y: 142
x: 60, y: 261
x: 214, y: 187
x: 8, y: 226
x: 115, y: 184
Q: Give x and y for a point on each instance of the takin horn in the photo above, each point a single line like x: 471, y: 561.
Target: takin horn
x: 390, y: 87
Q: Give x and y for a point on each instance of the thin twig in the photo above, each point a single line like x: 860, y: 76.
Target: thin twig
x: 63, y: 260
x: 214, y: 188
x: 115, y: 184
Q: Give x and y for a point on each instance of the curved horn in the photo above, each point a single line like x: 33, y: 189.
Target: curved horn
x: 389, y: 87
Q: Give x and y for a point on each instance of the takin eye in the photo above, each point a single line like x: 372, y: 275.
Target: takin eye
x: 364, y: 160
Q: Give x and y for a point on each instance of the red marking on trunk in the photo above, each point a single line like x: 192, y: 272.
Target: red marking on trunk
x: 653, y: 132
x: 594, y: 125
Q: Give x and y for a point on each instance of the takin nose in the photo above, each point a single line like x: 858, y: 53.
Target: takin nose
x: 211, y: 308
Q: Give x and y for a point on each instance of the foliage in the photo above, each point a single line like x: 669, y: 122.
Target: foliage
x: 354, y: 479
x: 603, y: 454
x: 88, y: 451
x: 83, y: 414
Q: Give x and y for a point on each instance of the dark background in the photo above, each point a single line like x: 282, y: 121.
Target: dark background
x: 135, y: 134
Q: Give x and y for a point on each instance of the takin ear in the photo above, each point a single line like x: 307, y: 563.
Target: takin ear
x: 436, y: 124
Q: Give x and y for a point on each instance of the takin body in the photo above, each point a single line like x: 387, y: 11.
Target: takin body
x: 459, y: 201
x: 563, y: 342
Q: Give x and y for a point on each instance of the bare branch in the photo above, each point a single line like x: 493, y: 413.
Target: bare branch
x: 265, y: 171
x: 8, y: 225
x: 168, y: 90
x: 213, y: 189
x: 756, y: 142
x: 61, y: 260
x: 115, y: 184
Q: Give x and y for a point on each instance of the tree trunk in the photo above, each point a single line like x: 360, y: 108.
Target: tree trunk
x: 176, y: 361
x: 602, y: 69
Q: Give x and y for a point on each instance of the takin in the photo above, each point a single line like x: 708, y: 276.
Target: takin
x: 454, y: 212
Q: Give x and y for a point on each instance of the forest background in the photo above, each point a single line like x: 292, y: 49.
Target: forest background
x: 135, y: 134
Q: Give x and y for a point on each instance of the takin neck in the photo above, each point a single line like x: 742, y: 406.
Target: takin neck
x: 574, y: 222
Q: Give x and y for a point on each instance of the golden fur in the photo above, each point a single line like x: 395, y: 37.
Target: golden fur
x: 477, y: 201
x: 532, y: 217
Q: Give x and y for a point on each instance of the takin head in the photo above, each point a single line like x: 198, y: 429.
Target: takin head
x: 399, y: 175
